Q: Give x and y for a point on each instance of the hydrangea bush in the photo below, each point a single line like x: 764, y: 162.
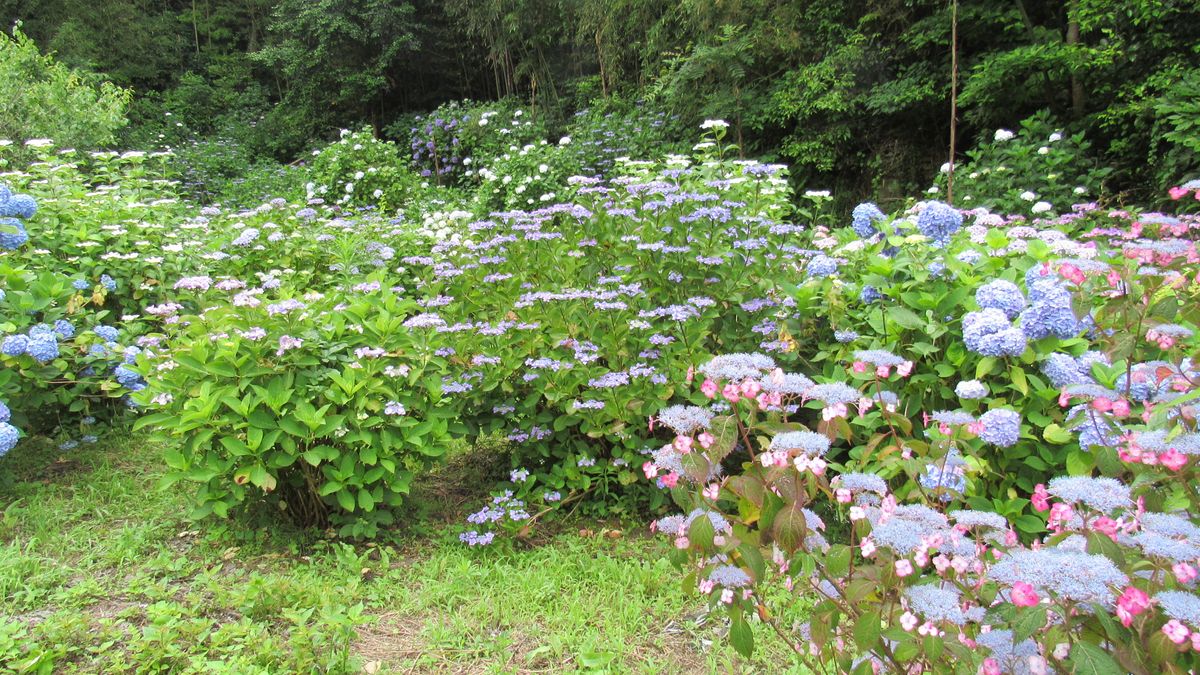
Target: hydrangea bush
x: 324, y: 405
x: 66, y: 360
x: 889, y: 484
x: 1036, y: 170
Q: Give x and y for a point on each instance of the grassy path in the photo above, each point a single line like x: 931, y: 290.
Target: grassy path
x: 100, y: 571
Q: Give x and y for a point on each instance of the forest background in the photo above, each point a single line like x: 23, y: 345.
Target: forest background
x: 853, y: 94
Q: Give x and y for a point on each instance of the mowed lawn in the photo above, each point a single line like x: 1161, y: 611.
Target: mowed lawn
x: 102, y: 571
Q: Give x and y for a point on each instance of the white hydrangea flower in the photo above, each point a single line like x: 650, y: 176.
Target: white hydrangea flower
x: 1041, y: 207
x: 1004, y: 135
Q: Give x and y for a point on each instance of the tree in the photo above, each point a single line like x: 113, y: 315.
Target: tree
x: 336, y: 58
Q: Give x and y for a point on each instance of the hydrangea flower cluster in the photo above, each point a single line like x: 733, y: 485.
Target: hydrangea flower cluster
x: 13, y: 209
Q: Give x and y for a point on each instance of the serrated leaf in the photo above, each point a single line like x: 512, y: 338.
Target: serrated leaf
x: 1027, y: 622
x: 1088, y: 659
x: 866, y: 631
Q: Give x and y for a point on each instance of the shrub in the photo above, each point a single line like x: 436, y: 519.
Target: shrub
x: 1039, y: 170
x: 324, y: 406
x: 65, y: 360
x: 41, y: 98
x: 360, y: 170
x: 449, y: 144
x: 907, y: 532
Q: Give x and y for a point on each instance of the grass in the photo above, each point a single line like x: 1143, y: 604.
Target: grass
x: 100, y: 571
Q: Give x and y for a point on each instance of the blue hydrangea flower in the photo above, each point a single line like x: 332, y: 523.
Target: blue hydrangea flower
x: 939, y: 221
x: 9, y: 435
x: 107, y: 333
x: 990, y: 333
x: 14, y: 345
x: 864, y: 217
x: 1001, y: 427
x: 821, y: 266
x: 64, y: 329
x: 80, y: 285
x: 12, y: 233
x: 5, y: 413
x: 19, y: 206
x: 108, y: 282
x: 1002, y: 295
x: 1063, y: 370
x: 1050, y: 312
x: 128, y: 378
x: 869, y: 294
x: 44, y: 348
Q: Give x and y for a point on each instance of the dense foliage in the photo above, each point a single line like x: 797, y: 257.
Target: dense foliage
x: 850, y: 93
x: 910, y: 414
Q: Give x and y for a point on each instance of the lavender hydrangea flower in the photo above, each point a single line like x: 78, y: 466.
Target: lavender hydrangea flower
x: 1050, y: 313
x: 685, y: 419
x: 729, y: 576
x: 9, y: 435
x: 936, y: 603
x: 737, y: 367
x: 1180, y: 605
x: 808, y: 442
x: 821, y: 266
x: 1103, y: 494
x: 14, y: 345
x: 1077, y: 576
x: 1001, y: 427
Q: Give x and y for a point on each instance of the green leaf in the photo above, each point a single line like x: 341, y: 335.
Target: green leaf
x: 1088, y: 659
x: 345, y: 499
x: 790, y: 527
x: 905, y: 317
x: 753, y: 559
x: 866, y: 631
x: 1018, y: 380
x: 1079, y: 463
x: 985, y: 366
x: 1027, y: 622
x: 837, y: 562
x: 701, y: 532
x: 1057, y: 435
x: 742, y: 637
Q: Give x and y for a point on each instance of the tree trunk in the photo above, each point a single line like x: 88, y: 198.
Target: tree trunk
x: 1078, y: 98
x: 603, y: 73
x: 953, y: 97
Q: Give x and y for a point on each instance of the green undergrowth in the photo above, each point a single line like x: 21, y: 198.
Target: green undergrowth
x: 100, y: 571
